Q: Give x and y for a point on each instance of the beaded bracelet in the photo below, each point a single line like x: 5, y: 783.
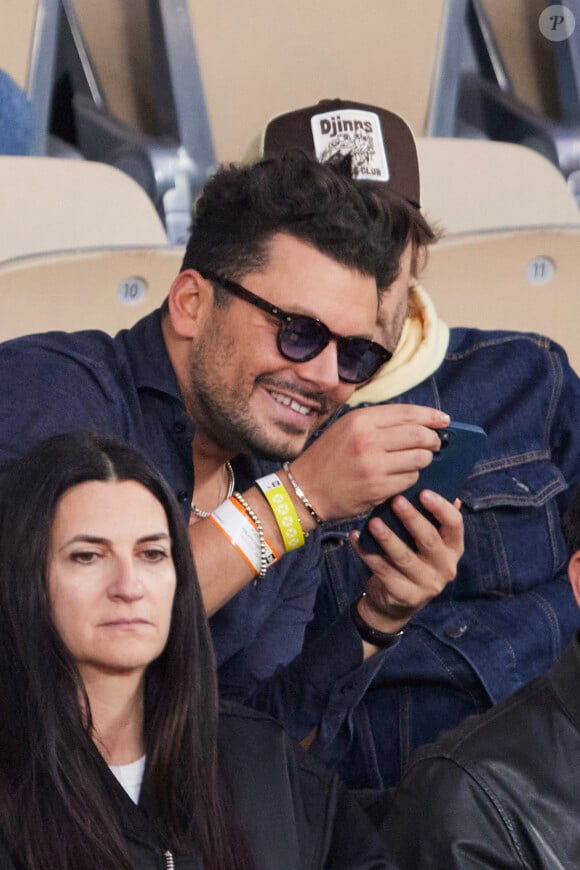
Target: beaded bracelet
x: 233, y: 521
x: 284, y: 511
x: 301, y: 495
x: 260, y: 530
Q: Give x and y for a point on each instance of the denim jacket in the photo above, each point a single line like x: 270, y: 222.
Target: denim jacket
x: 510, y: 612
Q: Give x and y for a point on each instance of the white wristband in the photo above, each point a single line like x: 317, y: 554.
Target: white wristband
x: 232, y: 521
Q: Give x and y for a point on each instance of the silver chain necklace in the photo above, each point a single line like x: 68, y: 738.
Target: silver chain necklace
x: 231, y: 483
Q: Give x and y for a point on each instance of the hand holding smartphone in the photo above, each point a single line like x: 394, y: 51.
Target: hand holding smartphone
x: 461, y: 447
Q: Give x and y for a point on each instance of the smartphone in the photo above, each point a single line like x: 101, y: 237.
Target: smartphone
x: 461, y: 447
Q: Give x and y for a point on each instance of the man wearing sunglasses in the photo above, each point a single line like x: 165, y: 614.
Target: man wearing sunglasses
x: 266, y: 331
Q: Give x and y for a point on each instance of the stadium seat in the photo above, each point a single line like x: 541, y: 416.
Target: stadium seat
x: 17, y: 37
x: 52, y: 204
x: 288, y: 55
x: 258, y: 59
x: 28, y: 53
x: 526, y: 88
x: 524, y: 280
x: 96, y: 289
x: 528, y: 57
x: 144, y: 109
x: 470, y: 185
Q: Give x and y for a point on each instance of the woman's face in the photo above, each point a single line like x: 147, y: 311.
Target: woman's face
x: 111, y: 578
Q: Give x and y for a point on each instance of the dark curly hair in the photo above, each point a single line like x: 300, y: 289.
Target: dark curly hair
x: 242, y: 207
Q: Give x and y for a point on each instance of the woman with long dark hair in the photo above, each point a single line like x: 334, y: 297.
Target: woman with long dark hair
x: 112, y: 750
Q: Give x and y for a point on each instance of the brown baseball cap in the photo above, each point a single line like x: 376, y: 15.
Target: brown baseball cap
x: 381, y: 144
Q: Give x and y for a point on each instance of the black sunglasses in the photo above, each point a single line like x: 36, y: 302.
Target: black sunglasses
x: 301, y: 338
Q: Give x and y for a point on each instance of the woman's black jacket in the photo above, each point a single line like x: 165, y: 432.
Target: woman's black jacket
x: 295, y: 814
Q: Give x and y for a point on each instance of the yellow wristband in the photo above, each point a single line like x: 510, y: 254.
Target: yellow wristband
x: 284, y: 511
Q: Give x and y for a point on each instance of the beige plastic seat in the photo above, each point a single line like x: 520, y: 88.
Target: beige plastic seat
x: 52, y: 204
x: 529, y: 58
x: 280, y: 56
x: 472, y: 185
x: 118, y: 40
x: 523, y: 280
x: 94, y: 289
x: 259, y: 59
x: 29, y: 44
x: 18, y: 19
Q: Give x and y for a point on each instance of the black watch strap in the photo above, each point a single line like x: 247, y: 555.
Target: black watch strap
x: 382, y: 639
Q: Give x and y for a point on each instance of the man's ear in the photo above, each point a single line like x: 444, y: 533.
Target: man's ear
x: 190, y: 299
x: 574, y: 574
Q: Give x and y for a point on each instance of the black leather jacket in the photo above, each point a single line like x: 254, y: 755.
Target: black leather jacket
x: 295, y: 814
x: 502, y: 790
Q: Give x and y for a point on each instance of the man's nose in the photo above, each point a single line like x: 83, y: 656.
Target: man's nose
x: 322, y: 370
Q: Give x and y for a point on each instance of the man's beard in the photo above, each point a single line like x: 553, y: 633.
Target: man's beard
x: 221, y: 412
x: 391, y: 337
x: 233, y: 431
